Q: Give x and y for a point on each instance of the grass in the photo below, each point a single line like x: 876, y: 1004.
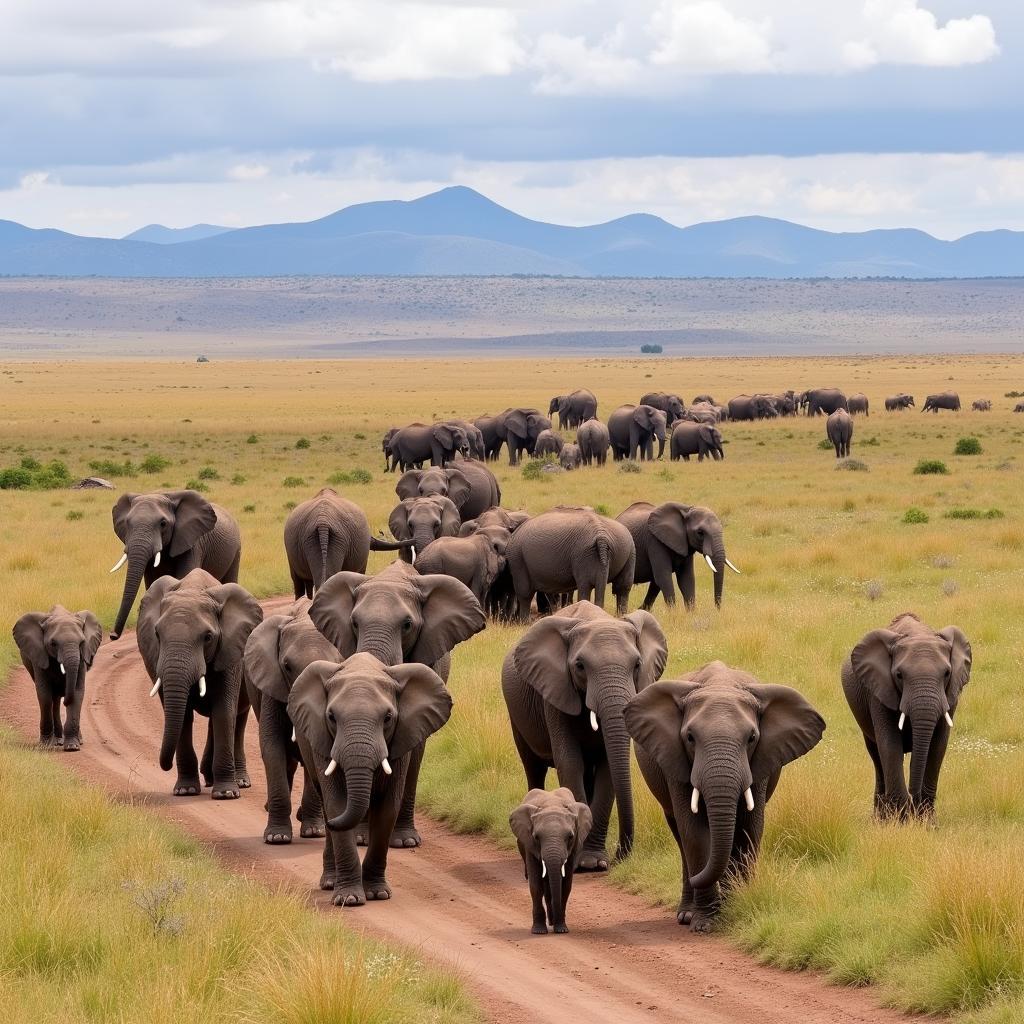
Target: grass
x: 967, y: 446
x: 933, y: 467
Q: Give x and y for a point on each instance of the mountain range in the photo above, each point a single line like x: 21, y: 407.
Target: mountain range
x: 458, y: 231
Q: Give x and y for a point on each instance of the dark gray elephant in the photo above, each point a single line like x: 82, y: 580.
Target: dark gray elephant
x: 500, y: 518
x: 946, y: 400
x: 325, y: 535
x: 192, y: 634
x: 477, y: 560
x: 903, y: 685
x: 666, y: 538
x: 1019, y: 407
x: 170, y: 533
x: 359, y: 724
x: 822, y: 400
x: 752, y: 407
x: 493, y: 440
x: 423, y: 520
x: 711, y: 747
x: 632, y: 430
x: 470, y: 485
x: 785, y: 402
x: 436, y: 443
x: 501, y: 598
x: 570, y: 457
x: 566, y: 684
x: 857, y: 404
x: 573, y: 409
x: 475, y: 436
x: 57, y: 649
x: 390, y: 458
x: 700, y: 439
x: 548, y: 443
x: 519, y: 429
x: 593, y: 440
x: 671, y: 405
x: 981, y: 405
x: 897, y: 403
x: 839, y: 428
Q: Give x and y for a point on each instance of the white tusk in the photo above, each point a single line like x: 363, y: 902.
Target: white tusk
x: 593, y: 721
x: 330, y: 768
x: 202, y: 686
x: 119, y: 562
x: 62, y: 672
x: 949, y: 720
x: 563, y: 869
x: 156, y: 689
x: 293, y: 736
x: 387, y: 767
x: 749, y: 797
x: 695, y: 800
x: 711, y: 565
x: 903, y: 718
x: 543, y: 869
x: 412, y: 555
x: 733, y: 567
x: 156, y: 561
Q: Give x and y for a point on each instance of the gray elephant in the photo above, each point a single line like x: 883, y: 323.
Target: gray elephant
x: 593, y: 440
x: 192, y: 634
x: 897, y: 403
x: 785, y: 402
x: 857, y: 404
x: 493, y: 440
x: 422, y: 520
x: 981, y: 405
x: 475, y: 436
x: 1019, y: 407
x: 946, y: 400
x: 500, y: 518
x: 170, y: 533
x: 822, y: 400
x: 325, y: 535
x: 570, y: 457
x: 839, y: 429
x: 704, y: 412
x: 472, y: 487
x: 550, y: 830
x: 436, y: 443
x: 57, y: 649
x: 477, y: 560
x: 711, y: 747
x: 390, y: 458
x: 501, y: 598
x: 548, y: 443
x: 571, y: 549
x: 359, y: 724
x: 903, y: 685
x: 671, y: 405
x: 704, y: 400
x: 700, y: 439
x: 573, y: 409
x: 632, y: 430
x: 666, y: 539
x: 752, y: 407
x: 566, y: 684
x: 399, y: 617
x: 277, y: 651
x: 519, y: 429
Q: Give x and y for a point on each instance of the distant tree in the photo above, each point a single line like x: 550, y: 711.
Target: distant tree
x: 651, y: 349
x: 202, y: 359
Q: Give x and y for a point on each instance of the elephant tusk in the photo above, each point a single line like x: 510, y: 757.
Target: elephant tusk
x: 903, y: 718
x: 62, y: 672
x: 949, y: 720
x: 386, y: 766
x: 593, y: 721
x: 330, y: 768
x: 695, y: 800
x: 543, y: 869
x: 119, y: 562
x: 749, y: 797
x: 711, y: 565
x: 733, y: 567
x: 412, y: 554
x: 293, y: 736
x: 156, y: 560
x: 563, y: 869
x: 156, y: 688
x: 202, y: 686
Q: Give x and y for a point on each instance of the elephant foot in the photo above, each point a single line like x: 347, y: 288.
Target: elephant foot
x: 71, y: 745
x: 315, y: 829
x: 377, y: 889
x: 348, y: 897
x: 593, y: 860
x: 50, y: 741
x: 276, y: 835
x: 539, y: 928
x: 404, y: 838
x: 328, y: 880
x: 701, y: 923
x: 561, y: 929
x: 228, y: 792
x: 243, y: 780
x: 187, y: 787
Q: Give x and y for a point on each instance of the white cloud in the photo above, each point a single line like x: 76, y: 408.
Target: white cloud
x: 707, y: 37
x: 570, y: 66
x: 248, y: 172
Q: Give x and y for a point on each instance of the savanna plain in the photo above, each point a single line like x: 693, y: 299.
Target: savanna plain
x: 931, y: 915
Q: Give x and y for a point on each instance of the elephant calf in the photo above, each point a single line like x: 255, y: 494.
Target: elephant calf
x: 471, y: 486
x: 477, y: 560
x: 421, y: 521
x: 593, y: 440
x: 839, y: 428
x: 700, y: 439
x: 570, y: 457
x: 548, y: 443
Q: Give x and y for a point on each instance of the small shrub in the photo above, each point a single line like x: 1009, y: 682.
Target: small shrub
x: 950, y: 587
x: 967, y: 446
x: 629, y: 466
x: 32, y: 475
x: 534, y: 469
x: 107, y: 467
x: 853, y: 465
x: 303, y: 442
x: 195, y: 485
x: 602, y: 510
x: 252, y: 439
x: 238, y: 479
x: 943, y: 562
x: 248, y: 508
x: 359, y: 437
x: 825, y: 444
x: 15, y: 479
x: 289, y: 505
x: 74, y: 514
x: 871, y: 442
x: 873, y: 590
x: 931, y: 466
x: 355, y: 476
x: 208, y: 473
x: 915, y: 515
x: 154, y: 464
x: 29, y: 463
x: 294, y: 481
x: 651, y: 349
x: 974, y: 513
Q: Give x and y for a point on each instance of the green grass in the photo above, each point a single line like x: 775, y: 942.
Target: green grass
x: 934, y: 467
x: 967, y: 446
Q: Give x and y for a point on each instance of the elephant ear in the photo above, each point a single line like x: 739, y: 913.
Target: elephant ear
x: 960, y: 661
x: 240, y: 614
x: 515, y: 423
x: 790, y: 727
x: 542, y: 660
x: 521, y: 819
x: 642, y: 416
x: 262, y: 660
x: 145, y: 627
x: 450, y: 518
x: 398, y: 521
x: 584, y: 823
x: 872, y: 665
x: 443, y: 435
x: 119, y: 513
x: 194, y: 517
x: 93, y: 633
x: 667, y: 523
x: 28, y: 635
x: 459, y: 487
x: 653, y: 647
x: 450, y: 613
x: 331, y: 610
x: 654, y: 718
x: 516, y: 519
x: 707, y: 434
x: 424, y: 705
x: 408, y: 485
x: 307, y: 705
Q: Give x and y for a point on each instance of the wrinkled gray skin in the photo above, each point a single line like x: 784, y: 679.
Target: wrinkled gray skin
x: 186, y: 530
x: 632, y: 430
x: 550, y: 830
x: 325, y: 535
x: 488, y: 426
x: 501, y: 599
x: 570, y: 456
x: 705, y: 412
x: 667, y: 538
x: 897, y: 403
x: 570, y: 550
x: 471, y: 486
x: 57, y: 649
x: 477, y: 560
x: 839, y: 428
x: 477, y: 448
x: 703, y: 400
x: 785, y: 402
x: 857, y: 404
x: 190, y: 629
x: 907, y: 669
x: 573, y: 409
x: 500, y: 518
x: 752, y: 407
x: 722, y: 732
x: 519, y: 429
x: 671, y: 405
x: 436, y: 443
x: 568, y: 669
x: 363, y: 715
x: 593, y: 440
x: 277, y: 651
x: 981, y: 405
x: 399, y: 617
x: 947, y: 400
x: 390, y: 458
x: 700, y: 439
x: 422, y: 521
x: 548, y: 443
x: 822, y: 400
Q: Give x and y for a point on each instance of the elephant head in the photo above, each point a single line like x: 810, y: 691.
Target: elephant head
x: 715, y: 735
x: 648, y: 421
x: 451, y: 438
x: 596, y: 664
x: 423, y: 520
x: 498, y: 517
x: 919, y: 675
x: 154, y: 526
x: 765, y: 407
x: 690, y: 530
x: 360, y: 715
x: 70, y: 639
x: 421, y: 483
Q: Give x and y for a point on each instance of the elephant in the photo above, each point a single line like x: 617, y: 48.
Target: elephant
x: 574, y: 409
x: 785, y: 403
x: 671, y: 405
x: 711, y: 747
x: 390, y: 460
x: 550, y: 830
x: 477, y: 560
x: 666, y: 538
x: 752, y: 407
x: 471, y: 486
x: 1019, y: 407
x: 571, y: 549
x: 570, y: 457
x: 897, y: 403
x: 477, y: 447
x: 903, y: 685
x: 519, y: 429
x: 565, y: 685
x: 593, y: 440
x: 192, y: 634
x: 704, y: 412
x: 632, y: 430
x: 170, y: 533
x: 946, y: 400
x: 823, y: 400
x: 700, y: 439
x: 857, y: 404
x: 548, y: 443
x: 277, y: 651
x: 839, y: 428
x: 436, y: 442
x: 704, y: 400
x: 981, y: 405
x: 501, y: 598
x: 57, y: 649
x: 399, y: 617
x: 500, y: 518
x: 422, y: 520
x: 325, y: 535
x: 368, y: 719
x: 488, y: 426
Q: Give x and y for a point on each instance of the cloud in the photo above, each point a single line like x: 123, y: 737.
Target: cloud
x: 248, y: 172
x: 707, y: 37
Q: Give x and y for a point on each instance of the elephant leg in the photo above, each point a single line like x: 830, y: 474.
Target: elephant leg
x: 536, y: 770
x: 936, y: 755
x: 222, y: 734
x: 275, y: 733
x: 206, y: 763
x: 348, y: 874
x: 684, y: 913
x: 595, y: 853
x: 879, y: 798
x: 58, y: 729
x: 651, y: 596
x: 621, y: 586
x: 298, y: 586
x: 524, y: 594
x: 188, y: 783
x: 536, y: 882
x: 405, y: 834
x: 599, y: 586
x: 72, y: 726
x: 231, y: 576
x: 661, y: 575
x: 384, y: 817
x: 896, y: 798
x: 241, y: 721
x: 558, y: 912
x: 45, y: 714
x: 687, y: 583
x: 311, y: 811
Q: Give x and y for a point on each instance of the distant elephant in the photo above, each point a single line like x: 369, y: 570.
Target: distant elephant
x: 277, y: 651
x: 493, y: 440
x: 700, y: 439
x: 548, y: 443
x: 566, y: 684
x: 946, y: 400
x: 1019, y: 407
x: 477, y: 561
x: 711, y: 747
x: 903, y: 686
x: 839, y: 428
x: 703, y: 400
x: 981, y: 405
x: 390, y: 459
x: 571, y: 549
x: 671, y: 405
x: 519, y: 429
x: 570, y: 457
x: 436, y: 443
x: 752, y: 407
x: 785, y: 403
x: 422, y: 520
x: 550, y: 830
x: 593, y: 440
x: 399, y: 617
x: 573, y: 409
x: 325, y: 535
x: 823, y: 400
x: 170, y: 533
x: 192, y: 634
x: 857, y: 404
x: 897, y: 403
x: 475, y: 436
x: 633, y: 428
x: 57, y: 649
x: 367, y: 719
x: 704, y: 412
x: 472, y: 487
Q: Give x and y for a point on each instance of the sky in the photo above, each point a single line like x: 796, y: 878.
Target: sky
x: 842, y: 114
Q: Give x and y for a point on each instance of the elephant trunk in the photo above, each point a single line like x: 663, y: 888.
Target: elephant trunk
x: 422, y: 538
x: 359, y: 760
x: 717, y: 555
x: 139, y: 554
x: 924, y: 714
x: 617, y: 745
x: 178, y: 670
x: 71, y: 662
x: 721, y: 794
x: 382, y: 643
x: 553, y: 857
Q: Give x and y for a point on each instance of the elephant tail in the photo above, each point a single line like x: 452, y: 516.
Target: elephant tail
x: 323, y: 532
x: 603, y: 548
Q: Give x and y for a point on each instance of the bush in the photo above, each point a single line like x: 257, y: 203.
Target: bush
x: 248, y: 508
x: 629, y: 466
x: 195, y: 485
x: 602, y: 510
x: 355, y: 476
x: 31, y: 475
x: 15, y: 479
x: 854, y: 465
x: 967, y: 446
x: 974, y: 513
x: 303, y: 442
x: 238, y: 479
x: 915, y: 515
x: 293, y: 481
x: 107, y: 467
x: 74, y: 514
x: 208, y: 473
x: 252, y: 439
x: 931, y: 466
x: 651, y: 349
x: 154, y: 464
x: 535, y: 469
x: 825, y: 444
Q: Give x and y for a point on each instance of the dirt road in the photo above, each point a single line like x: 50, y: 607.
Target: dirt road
x: 458, y: 899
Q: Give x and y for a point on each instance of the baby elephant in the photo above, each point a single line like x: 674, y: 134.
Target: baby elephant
x: 570, y: 457
x: 477, y: 560
x: 550, y: 829
x: 839, y: 427
x: 57, y: 648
